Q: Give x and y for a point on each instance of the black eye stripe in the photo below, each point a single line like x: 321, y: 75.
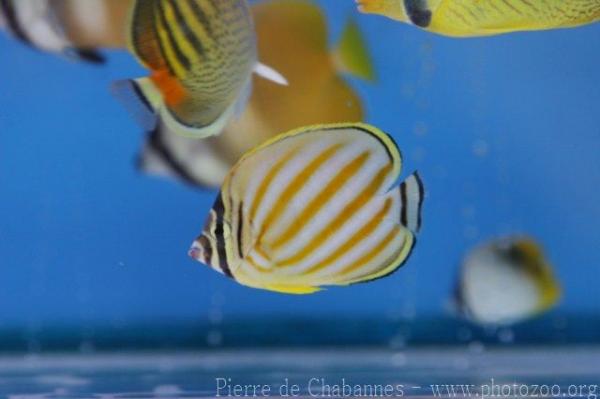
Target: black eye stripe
x: 418, y: 12
x: 219, y: 209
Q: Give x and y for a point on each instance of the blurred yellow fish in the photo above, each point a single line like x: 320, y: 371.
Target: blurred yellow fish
x: 313, y: 207
x: 292, y: 38
x: 506, y: 281
x: 201, y: 54
x: 486, y: 17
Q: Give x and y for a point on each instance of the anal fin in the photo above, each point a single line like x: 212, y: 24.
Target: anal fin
x: 292, y: 289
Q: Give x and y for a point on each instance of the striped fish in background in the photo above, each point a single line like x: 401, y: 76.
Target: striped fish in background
x: 465, y: 18
x: 313, y: 207
x: 37, y: 24
x: 504, y: 281
x: 292, y: 37
x: 201, y: 54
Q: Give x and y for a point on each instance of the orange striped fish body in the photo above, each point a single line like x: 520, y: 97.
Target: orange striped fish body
x: 464, y: 18
x: 311, y: 208
x: 201, y: 54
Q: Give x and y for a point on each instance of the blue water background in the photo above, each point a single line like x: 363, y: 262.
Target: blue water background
x: 505, y: 132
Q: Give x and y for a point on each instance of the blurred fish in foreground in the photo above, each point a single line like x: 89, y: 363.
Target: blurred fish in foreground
x: 313, y: 207
x: 506, y: 281
x: 464, y: 18
x: 292, y: 38
x: 40, y: 24
x: 201, y: 54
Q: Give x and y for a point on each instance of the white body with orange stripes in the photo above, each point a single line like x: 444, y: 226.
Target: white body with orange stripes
x: 313, y: 207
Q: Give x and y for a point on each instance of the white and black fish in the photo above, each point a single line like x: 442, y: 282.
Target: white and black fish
x: 505, y: 281
x: 36, y: 23
x: 195, y: 162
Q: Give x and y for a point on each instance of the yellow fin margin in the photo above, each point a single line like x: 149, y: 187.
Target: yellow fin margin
x: 380, y: 135
x: 291, y: 289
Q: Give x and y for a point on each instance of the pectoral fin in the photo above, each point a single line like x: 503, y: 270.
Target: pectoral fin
x: 141, y: 98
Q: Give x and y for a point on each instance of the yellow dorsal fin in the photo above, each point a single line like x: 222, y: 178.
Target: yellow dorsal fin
x: 351, y: 54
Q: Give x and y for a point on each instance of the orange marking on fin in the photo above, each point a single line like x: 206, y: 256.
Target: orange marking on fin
x: 171, y: 88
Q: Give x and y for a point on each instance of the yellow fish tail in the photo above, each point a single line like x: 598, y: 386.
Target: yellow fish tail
x: 352, y: 55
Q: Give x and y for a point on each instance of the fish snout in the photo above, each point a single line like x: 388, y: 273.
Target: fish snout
x: 196, y: 252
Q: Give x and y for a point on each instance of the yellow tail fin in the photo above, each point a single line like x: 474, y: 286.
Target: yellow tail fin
x: 352, y: 55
